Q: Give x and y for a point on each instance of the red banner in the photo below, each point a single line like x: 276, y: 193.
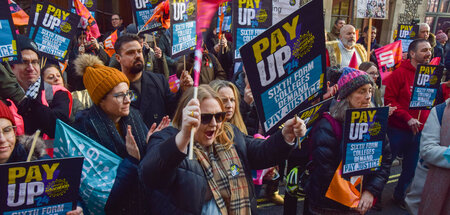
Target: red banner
x: 109, y: 43
x: 87, y: 21
x: 18, y: 15
x: 389, y: 58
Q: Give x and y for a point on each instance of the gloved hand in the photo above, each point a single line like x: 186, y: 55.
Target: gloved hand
x: 9, y: 87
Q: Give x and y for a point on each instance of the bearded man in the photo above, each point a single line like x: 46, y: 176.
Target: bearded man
x: 152, y: 95
x: 341, y: 51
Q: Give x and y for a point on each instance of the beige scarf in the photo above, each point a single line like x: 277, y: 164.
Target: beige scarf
x: 226, y: 178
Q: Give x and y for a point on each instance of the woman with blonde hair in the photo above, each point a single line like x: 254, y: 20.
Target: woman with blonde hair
x: 218, y: 179
x: 230, y: 95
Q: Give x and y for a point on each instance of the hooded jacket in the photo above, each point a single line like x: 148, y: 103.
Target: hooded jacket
x: 398, y: 93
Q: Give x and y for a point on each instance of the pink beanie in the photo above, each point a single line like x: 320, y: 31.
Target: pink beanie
x: 441, y: 36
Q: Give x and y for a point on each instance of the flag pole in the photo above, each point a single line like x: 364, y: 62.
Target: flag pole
x: 369, y: 39
x: 33, y: 145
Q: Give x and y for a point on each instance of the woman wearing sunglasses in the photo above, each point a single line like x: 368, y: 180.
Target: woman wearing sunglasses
x: 218, y: 179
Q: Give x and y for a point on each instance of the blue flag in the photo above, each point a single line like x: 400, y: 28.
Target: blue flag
x: 99, y: 167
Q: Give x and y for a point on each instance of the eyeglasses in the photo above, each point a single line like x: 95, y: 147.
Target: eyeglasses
x: 8, y: 131
x: 28, y: 62
x: 207, y: 117
x: 121, y: 96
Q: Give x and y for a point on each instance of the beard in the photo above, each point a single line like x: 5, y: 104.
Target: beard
x: 137, y: 67
x: 349, y: 43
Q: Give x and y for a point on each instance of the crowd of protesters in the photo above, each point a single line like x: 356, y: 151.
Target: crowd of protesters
x: 125, y: 104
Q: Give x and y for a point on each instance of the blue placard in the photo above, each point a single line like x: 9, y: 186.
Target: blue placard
x: 285, y: 65
x: 407, y: 34
x: 8, y: 42
x: 426, y: 84
x: 54, y: 30
x: 364, y: 136
x: 40, y: 187
x: 183, y: 29
x: 225, y: 8
x: 250, y: 18
x: 142, y: 11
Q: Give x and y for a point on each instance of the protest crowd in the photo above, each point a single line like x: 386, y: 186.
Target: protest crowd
x: 190, y: 114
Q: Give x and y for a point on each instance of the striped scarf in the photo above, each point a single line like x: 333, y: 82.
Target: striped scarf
x: 226, y: 178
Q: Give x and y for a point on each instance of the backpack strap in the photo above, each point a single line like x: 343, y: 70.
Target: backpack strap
x: 440, y: 111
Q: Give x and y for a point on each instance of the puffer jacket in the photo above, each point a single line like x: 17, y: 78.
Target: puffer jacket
x: 327, y: 154
x: 179, y: 185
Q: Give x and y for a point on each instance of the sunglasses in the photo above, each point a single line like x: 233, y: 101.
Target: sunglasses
x: 207, y: 117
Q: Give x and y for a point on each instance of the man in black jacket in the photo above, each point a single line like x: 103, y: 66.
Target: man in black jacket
x: 152, y: 95
x: 37, y: 113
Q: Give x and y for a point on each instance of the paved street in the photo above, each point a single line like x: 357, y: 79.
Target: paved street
x: 265, y: 207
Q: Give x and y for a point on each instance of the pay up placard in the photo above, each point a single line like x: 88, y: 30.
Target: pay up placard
x: 54, y: 31
x: 364, y: 136
x: 142, y: 10
x: 407, y: 34
x: 426, y: 84
x: 40, y: 187
x: 8, y: 43
x: 285, y: 65
x: 182, y: 26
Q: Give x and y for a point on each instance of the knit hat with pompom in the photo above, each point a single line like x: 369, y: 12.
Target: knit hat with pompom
x: 98, y: 78
x: 352, y: 79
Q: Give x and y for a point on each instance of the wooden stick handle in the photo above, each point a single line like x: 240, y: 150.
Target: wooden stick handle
x: 33, y: 145
x: 191, y: 141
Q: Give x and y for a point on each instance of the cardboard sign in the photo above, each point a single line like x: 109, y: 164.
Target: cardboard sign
x: 182, y: 26
x: 426, y: 84
x: 99, y: 167
x: 375, y: 9
x: 407, y: 34
x: 286, y: 64
x: 282, y: 8
x: 40, y: 187
x: 35, y: 10
x: 54, y: 31
x: 91, y: 5
x: 364, y: 136
x: 8, y: 43
x: 142, y: 10
x: 250, y: 18
x: 389, y: 58
x: 225, y: 8
x: 312, y: 114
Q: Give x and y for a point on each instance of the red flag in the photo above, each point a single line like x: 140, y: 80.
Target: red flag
x: 109, y: 43
x: 18, y: 15
x: 161, y: 14
x: 222, y: 15
x: 389, y: 58
x: 205, y: 11
x: 435, y: 61
x: 87, y: 21
x: 353, y: 62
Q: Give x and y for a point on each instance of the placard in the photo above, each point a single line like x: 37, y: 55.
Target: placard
x: 375, y: 9
x: 282, y: 8
x: 407, y: 34
x: 35, y: 9
x: 312, y: 114
x: 250, y: 18
x: 227, y: 11
x: 389, y: 58
x: 182, y: 26
x: 54, y: 31
x: 286, y: 64
x: 40, y: 187
x: 426, y: 84
x: 91, y: 5
x: 8, y: 43
x: 364, y: 136
x: 142, y: 10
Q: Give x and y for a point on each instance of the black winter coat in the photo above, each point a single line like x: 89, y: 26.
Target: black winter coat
x: 327, y: 154
x: 180, y: 185
x: 156, y: 100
